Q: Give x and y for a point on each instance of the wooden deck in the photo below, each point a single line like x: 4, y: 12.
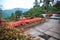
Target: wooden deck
x: 50, y: 27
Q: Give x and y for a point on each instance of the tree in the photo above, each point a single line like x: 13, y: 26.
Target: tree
x: 57, y: 5
x: 40, y: 1
x: 35, y: 12
x: 48, y: 6
x: 52, y: 1
x: 18, y: 13
x: 46, y: 3
x: 12, y: 16
x: 36, y: 4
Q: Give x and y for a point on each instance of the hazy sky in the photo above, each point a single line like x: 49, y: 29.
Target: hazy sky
x: 9, y: 4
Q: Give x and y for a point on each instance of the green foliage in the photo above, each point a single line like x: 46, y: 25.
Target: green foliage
x: 46, y: 3
x: 18, y: 13
x: 57, y: 5
x: 10, y: 18
x: 35, y: 12
x: 14, y: 16
x: 48, y: 7
x: 51, y: 9
x: 36, y: 4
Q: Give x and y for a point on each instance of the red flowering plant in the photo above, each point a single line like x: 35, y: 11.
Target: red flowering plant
x: 12, y: 33
x: 48, y: 15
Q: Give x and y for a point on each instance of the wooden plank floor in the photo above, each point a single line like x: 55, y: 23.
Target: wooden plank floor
x: 50, y: 27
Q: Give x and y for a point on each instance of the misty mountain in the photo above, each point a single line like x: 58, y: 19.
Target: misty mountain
x: 9, y: 11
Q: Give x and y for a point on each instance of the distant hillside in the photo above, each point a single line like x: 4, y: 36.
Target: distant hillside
x: 9, y: 11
